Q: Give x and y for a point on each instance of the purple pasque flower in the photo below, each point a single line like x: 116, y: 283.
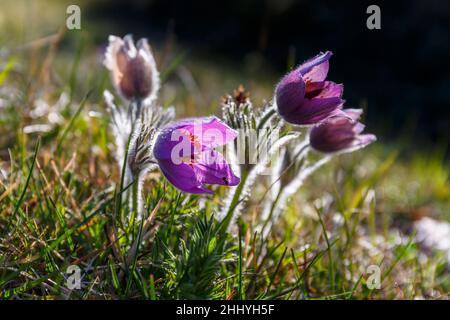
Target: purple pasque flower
x: 304, y: 97
x: 342, y: 133
x: 186, y: 154
x: 132, y: 67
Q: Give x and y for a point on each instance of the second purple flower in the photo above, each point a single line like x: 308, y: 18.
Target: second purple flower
x: 304, y: 96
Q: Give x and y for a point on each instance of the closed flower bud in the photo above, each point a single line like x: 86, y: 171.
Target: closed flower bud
x: 304, y: 97
x: 133, y: 68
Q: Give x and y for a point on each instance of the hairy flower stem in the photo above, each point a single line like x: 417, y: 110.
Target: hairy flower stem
x: 234, y: 202
x: 135, y: 114
x: 285, y: 193
x: 136, y: 200
x: 138, y: 112
x: 276, y: 186
x: 135, y: 177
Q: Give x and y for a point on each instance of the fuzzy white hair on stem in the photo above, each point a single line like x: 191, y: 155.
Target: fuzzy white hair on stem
x: 285, y: 193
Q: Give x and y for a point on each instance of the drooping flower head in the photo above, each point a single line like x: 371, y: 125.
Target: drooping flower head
x: 133, y: 68
x: 304, y: 97
x: 186, y: 154
x: 342, y: 133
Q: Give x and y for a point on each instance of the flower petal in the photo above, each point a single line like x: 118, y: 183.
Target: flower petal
x: 209, y: 131
x: 212, y: 168
x: 315, y: 110
x: 365, y: 139
x: 316, y: 68
x: 331, y: 89
x: 290, y: 93
x: 183, y: 177
x: 213, y: 132
x: 173, y: 143
x: 129, y: 46
x: 145, y: 52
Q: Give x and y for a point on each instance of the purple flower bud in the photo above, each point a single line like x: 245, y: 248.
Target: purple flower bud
x: 133, y: 68
x: 340, y: 134
x: 187, y: 158
x: 304, y: 96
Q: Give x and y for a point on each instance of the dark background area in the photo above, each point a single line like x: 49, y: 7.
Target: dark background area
x: 401, y: 72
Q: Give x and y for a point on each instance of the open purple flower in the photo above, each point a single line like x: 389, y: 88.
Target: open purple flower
x: 341, y: 133
x: 304, y: 96
x: 186, y: 155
